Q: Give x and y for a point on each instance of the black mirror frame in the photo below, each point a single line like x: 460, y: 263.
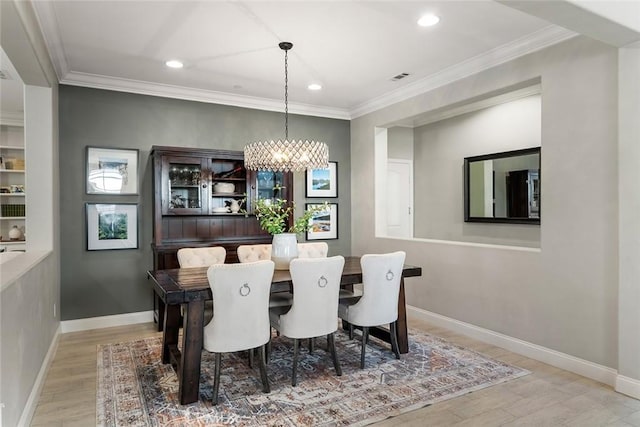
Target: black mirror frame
x: 523, y: 152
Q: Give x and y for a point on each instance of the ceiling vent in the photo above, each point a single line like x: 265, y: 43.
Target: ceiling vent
x: 399, y: 77
x: 5, y: 75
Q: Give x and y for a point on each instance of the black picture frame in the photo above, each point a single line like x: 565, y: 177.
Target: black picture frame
x: 496, y: 217
x: 112, y: 171
x: 323, y: 224
x: 111, y: 226
x: 322, y: 183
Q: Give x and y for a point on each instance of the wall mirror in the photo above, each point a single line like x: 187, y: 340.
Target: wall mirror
x: 503, y: 187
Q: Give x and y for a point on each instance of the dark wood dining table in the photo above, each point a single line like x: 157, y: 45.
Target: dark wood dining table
x: 189, y: 287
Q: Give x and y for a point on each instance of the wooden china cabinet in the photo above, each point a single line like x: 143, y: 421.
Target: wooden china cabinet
x: 193, y: 189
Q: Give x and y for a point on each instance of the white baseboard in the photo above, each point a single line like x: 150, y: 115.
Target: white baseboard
x: 106, y: 321
x: 628, y: 386
x: 34, y: 396
x: 560, y: 360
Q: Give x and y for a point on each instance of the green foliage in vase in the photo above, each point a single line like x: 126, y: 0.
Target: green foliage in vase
x: 274, y: 215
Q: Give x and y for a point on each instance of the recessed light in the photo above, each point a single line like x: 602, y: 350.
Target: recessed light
x: 314, y: 86
x: 428, y: 20
x: 174, y: 63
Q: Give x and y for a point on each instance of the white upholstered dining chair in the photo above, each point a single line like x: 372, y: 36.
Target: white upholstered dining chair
x: 241, y: 303
x: 252, y: 253
x: 202, y: 257
x: 313, y: 250
x: 378, y: 305
x: 316, y: 282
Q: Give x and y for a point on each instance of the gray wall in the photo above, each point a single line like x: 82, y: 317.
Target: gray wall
x: 562, y: 296
x: 440, y: 149
x: 99, y: 283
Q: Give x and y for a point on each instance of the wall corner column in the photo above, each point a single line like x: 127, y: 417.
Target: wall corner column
x: 628, y: 381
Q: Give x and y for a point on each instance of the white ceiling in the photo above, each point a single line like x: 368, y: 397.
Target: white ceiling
x: 231, y: 55
x: 353, y: 48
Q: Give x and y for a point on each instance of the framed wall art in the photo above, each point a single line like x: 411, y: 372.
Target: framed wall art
x: 324, y: 224
x: 112, y: 171
x: 322, y: 182
x: 112, y: 226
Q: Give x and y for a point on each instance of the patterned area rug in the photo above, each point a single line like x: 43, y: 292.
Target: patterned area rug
x: 136, y: 389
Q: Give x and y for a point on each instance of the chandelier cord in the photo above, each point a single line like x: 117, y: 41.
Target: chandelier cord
x: 286, y: 95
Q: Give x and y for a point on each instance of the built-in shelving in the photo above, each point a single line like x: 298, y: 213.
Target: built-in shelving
x: 12, y: 184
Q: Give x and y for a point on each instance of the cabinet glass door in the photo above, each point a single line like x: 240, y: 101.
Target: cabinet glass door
x: 184, y: 185
x: 270, y: 185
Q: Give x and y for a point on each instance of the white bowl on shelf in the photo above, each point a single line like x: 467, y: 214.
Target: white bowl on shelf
x: 224, y: 188
x: 220, y: 210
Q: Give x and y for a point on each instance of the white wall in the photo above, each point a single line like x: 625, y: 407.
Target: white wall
x: 629, y: 225
x: 400, y: 143
x: 439, y: 152
x: 563, y: 296
x: 27, y: 327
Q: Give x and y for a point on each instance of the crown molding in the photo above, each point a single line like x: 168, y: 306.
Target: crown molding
x: 48, y: 22
x: 47, y: 19
x: 178, y: 92
x: 533, y: 42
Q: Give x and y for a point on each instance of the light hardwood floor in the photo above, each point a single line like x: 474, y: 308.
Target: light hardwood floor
x: 547, y: 397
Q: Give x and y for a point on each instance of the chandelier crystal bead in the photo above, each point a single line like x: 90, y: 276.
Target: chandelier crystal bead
x: 287, y: 155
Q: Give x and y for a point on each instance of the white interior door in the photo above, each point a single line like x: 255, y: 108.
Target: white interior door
x: 399, y: 198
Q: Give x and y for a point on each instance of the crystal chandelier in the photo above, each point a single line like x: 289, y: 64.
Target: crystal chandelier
x: 286, y: 155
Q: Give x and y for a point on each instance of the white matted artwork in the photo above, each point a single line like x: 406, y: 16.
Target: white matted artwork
x: 322, y: 182
x: 112, y: 171
x: 112, y: 226
x: 324, y: 224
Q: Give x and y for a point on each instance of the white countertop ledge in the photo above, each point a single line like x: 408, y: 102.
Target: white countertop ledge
x: 14, y: 264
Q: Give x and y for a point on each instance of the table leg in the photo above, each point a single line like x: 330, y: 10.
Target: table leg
x: 158, y: 311
x: 189, y: 368
x: 170, y: 329
x: 403, y: 339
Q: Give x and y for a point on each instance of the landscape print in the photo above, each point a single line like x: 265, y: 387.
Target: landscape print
x: 321, y: 221
x: 117, y: 165
x: 324, y: 223
x: 321, y: 179
x: 112, y: 226
x: 323, y: 182
x: 112, y: 171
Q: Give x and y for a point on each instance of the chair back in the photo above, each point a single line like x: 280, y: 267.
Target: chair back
x: 253, y: 253
x: 313, y: 250
x: 201, y: 257
x: 316, y: 285
x: 241, y: 306
x: 381, y: 275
